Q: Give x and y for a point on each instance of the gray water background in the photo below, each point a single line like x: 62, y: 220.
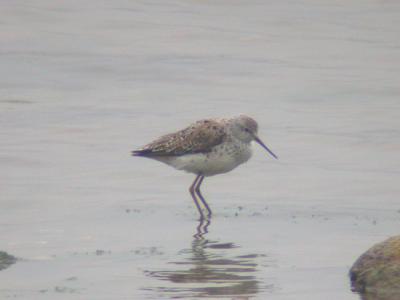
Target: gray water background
x: 84, y: 82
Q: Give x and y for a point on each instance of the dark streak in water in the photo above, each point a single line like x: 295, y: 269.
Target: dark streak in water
x: 15, y: 101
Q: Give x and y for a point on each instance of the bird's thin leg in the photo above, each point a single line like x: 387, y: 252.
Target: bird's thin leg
x: 197, y: 190
x: 193, y: 193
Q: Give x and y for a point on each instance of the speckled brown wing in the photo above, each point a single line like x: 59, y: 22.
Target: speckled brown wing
x: 199, y: 137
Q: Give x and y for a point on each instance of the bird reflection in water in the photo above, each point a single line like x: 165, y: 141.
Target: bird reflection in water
x: 208, y: 269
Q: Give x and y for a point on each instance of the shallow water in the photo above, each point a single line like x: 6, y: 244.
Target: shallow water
x: 82, y: 84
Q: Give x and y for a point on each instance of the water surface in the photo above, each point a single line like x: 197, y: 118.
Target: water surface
x: 83, y: 83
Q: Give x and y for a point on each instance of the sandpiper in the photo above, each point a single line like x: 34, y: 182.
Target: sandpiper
x: 206, y: 148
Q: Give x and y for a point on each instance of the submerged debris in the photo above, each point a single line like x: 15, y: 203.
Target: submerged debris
x: 6, y: 260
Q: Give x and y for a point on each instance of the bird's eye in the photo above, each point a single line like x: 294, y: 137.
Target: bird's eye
x: 247, y: 130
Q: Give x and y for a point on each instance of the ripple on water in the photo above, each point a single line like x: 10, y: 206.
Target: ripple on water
x: 209, y: 269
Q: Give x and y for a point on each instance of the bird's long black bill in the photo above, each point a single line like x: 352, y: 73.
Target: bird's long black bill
x: 265, y: 147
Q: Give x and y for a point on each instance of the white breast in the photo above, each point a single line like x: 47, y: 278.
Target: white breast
x: 222, y: 159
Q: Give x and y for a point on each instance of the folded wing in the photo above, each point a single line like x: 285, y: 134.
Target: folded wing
x: 201, y: 136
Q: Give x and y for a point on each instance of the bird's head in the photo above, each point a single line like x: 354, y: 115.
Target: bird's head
x: 245, y: 129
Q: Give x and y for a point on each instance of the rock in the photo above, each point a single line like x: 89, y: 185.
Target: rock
x: 6, y: 260
x: 376, y: 273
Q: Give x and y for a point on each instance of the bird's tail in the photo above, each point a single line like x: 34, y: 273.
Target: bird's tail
x: 141, y: 152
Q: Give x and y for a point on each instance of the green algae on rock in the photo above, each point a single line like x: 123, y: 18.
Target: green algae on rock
x: 6, y: 260
x: 376, y: 273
